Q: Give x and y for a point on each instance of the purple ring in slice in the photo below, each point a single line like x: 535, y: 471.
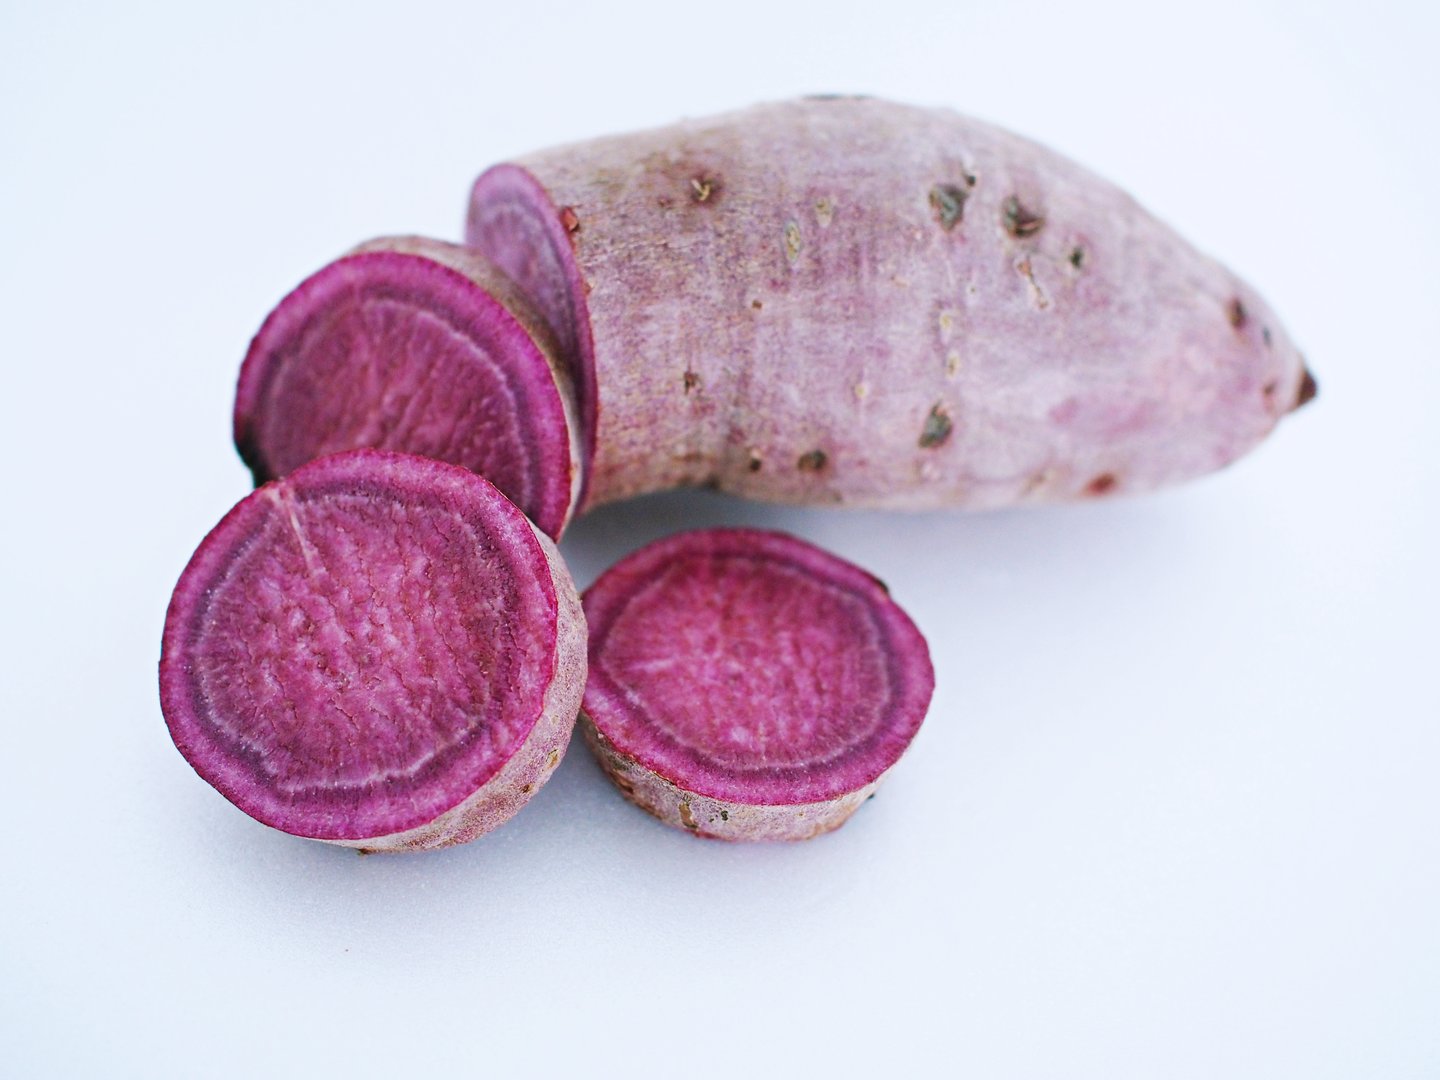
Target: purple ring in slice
x: 746, y: 685
x: 378, y: 650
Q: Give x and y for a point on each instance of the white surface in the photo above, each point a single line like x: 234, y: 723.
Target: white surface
x: 1174, y: 812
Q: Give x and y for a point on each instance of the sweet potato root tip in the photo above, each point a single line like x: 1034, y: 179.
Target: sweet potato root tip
x: 1309, y: 389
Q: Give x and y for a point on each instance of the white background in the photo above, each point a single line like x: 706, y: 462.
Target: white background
x: 1174, y: 812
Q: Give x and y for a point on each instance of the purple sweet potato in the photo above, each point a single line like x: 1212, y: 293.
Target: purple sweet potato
x: 421, y: 347
x: 378, y: 651
x: 746, y: 685
x: 847, y: 301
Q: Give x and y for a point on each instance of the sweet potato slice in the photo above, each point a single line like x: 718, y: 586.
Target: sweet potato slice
x: 378, y: 650
x: 746, y: 685
x: 421, y: 347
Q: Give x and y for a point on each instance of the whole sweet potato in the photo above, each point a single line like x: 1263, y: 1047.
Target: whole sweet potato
x: 828, y: 301
x: 850, y: 301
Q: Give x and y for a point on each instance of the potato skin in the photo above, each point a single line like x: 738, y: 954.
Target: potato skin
x: 849, y: 301
x: 719, y: 819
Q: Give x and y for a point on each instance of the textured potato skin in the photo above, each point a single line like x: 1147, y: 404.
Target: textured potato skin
x: 719, y: 819
x: 849, y: 301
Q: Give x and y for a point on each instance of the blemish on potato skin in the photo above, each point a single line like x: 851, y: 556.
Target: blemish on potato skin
x: 1077, y: 258
x: 526, y: 789
x: 824, y: 211
x: 814, y: 461
x: 1036, y: 481
x: 756, y: 304
x: 938, y: 428
x: 1037, y: 294
x: 862, y: 390
x: 952, y: 364
x: 793, y: 240
x: 691, y: 380
x: 569, y: 219
x: 687, y: 818
x: 553, y: 760
x: 1101, y: 485
x: 1236, y: 313
x: 948, y: 202
x: 1020, y: 221
x: 704, y: 189
x: 754, y: 462
x: 724, y: 815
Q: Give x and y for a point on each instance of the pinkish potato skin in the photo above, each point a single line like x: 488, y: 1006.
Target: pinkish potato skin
x: 848, y: 301
x: 719, y: 819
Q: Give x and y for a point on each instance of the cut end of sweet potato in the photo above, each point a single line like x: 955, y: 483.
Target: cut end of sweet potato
x: 747, y: 685
x: 378, y: 650
x: 514, y: 223
x: 414, y: 346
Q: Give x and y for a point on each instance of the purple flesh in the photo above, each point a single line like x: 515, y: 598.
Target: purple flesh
x: 416, y: 350
x: 750, y: 670
x: 372, y: 645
